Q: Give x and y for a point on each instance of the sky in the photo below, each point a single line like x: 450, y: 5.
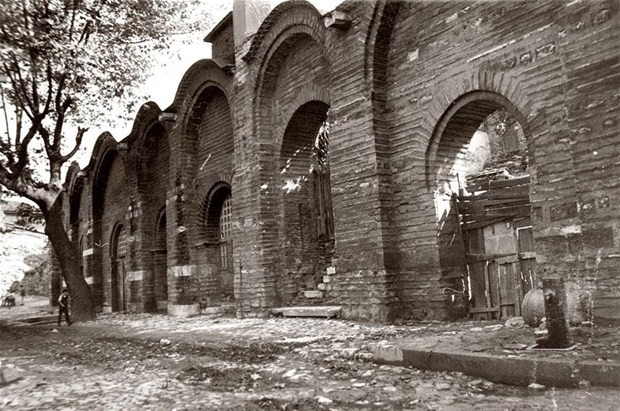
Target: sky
x: 161, y: 86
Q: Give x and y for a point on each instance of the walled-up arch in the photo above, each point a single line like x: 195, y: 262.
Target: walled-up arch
x: 110, y: 206
x: 152, y: 163
x: 201, y: 75
x: 207, y: 127
x: 159, y: 253
x: 293, y: 98
x: 75, y: 185
x: 118, y: 268
x: 217, y: 233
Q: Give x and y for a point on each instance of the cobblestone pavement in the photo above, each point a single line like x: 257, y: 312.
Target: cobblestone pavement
x: 140, y: 361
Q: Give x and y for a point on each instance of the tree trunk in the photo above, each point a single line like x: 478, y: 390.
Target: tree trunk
x: 82, y: 308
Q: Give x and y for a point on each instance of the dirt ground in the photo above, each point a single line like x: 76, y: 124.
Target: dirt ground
x: 142, y: 361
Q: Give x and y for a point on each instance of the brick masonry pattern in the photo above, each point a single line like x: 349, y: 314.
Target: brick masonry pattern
x: 389, y: 81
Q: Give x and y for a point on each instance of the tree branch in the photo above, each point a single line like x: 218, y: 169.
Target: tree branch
x: 35, y: 88
x: 18, y: 124
x: 8, y: 152
x: 45, y: 136
x: 49, y: 88
x: 22, y: 148
x: 73, y: 13
x: 78, y: 142
x: 20, y: 101
x: 23, y: 87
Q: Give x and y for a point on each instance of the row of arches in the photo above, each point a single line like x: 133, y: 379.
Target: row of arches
x: 177, y: 207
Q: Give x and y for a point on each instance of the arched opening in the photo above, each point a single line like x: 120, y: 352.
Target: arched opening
x: 160, y: 263
x: 478, y: 169
x: 118, y: 252
x: 218, y: 224
x: 306, y: 226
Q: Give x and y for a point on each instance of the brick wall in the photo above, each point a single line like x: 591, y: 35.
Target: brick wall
x: 153, y: 175
x: 212, y: 165
x: 404, y: 89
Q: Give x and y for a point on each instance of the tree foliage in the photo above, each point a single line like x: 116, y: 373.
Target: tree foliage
x: 66, y: 65
x: 71, y: 62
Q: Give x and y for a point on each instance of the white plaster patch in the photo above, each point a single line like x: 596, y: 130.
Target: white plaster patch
x: 180, y: 271
x: 135, y: 275
x: 87, y: 252
x: 413, y: 55
x: 89, y: 280
x: 571, y: 229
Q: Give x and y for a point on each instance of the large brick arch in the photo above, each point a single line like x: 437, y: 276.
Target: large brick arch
x: 107, y: 160
x: 148, y: 114
x: 289, y: 23
x: 285, y: 16
x: 151, y: 163
x: 200, y: 76
x: 280, y: 35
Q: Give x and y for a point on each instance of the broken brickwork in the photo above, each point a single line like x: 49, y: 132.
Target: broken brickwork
x: 403, y: 86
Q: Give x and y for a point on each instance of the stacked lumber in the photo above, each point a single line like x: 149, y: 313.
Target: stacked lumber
x: 495, y: 196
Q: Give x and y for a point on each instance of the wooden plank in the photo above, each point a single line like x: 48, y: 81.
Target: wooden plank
x: 500, y: 193
x: 493, y: 284
x: 527, y: 274
x: 499, y: 184
x: 512, y: 258
x: 475, y: 225
x: 474, y: 310
x: 493, y: 199
x: 476, y: 275
x: 485, y: 257
x: 507, y: 289
x: 522, y: 212
x: 515, y: 209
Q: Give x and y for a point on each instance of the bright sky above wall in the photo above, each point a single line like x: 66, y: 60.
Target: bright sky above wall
x: 162, y: 84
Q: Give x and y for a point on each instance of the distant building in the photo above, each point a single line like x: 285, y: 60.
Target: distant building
x: 18, y: 214
x: 400, y: 159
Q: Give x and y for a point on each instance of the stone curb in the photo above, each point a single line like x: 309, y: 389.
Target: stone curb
x: 558, y: 373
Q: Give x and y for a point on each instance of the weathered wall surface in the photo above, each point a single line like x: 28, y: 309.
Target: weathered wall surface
x: 403, y: 87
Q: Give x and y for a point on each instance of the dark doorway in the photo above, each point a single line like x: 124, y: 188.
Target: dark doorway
x: 117, y: 259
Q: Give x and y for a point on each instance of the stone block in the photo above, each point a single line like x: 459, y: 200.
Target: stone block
x: 314, y: 311
x: 183, y: 310
x: 313, y: 294
x: 326, y: 279
x: 331, y: 270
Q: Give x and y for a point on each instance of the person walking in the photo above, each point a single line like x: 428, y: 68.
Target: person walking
x: 22, y: 293
x: 64, y: 304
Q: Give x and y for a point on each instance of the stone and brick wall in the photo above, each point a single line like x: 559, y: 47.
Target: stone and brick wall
x: 403, y: 88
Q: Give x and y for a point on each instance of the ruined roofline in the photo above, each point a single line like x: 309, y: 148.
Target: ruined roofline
x: 219, y: 27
